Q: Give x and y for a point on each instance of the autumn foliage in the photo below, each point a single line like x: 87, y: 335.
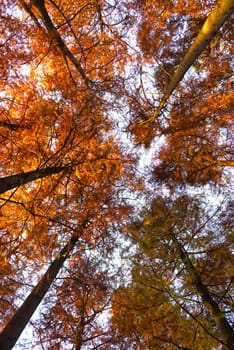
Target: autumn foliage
x: 116, y: 157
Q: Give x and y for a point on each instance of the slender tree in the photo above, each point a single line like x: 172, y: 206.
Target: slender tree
x: 222, y: 11
x: 165, y: 41
x: 52, y: 31
x: 79, y: 298
x: 213, y: 307
x: 176, y: 285
x: 16, y: 325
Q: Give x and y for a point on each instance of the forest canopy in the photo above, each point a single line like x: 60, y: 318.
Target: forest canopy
x: 116, y: 203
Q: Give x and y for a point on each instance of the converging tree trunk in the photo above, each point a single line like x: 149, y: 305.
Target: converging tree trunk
x: 222, y: 11
x: 18, y: 322
x: 40, y: 5
x: 224, y: 327
x: 9, y: 182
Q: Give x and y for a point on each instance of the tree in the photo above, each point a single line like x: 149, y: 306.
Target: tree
x: 52, y: 31
x: 178, y: 281
x: 16, y: 325
x: 221, y: 12
x: 93, y: 224
x: 54, y: 129
x: 149, y: 42
x: 195, y: 122
x: 70, y: 313
x: 76, y: 78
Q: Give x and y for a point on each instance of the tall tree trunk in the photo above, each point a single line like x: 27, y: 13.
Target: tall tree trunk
x: 224, y: 327
x: 9, y: 182
x: 222, y: 11
x: 40, y: 5
x: 16, y: 325
x: 80, y: 333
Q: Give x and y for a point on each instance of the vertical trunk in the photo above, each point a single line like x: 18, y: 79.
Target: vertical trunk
x: 224, y: 327
x: 16, y: 325
x: 9, y: 182
x: 222, y: 11
x: 80, y: 332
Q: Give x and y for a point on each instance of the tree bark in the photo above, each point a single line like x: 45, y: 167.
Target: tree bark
x: 9, y: 182
x: 222, y: 11
x: 16, y: 325
x: 224, y: 327
x: 40, y: 5
x: 12, y: 126
x: 225, y: 163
